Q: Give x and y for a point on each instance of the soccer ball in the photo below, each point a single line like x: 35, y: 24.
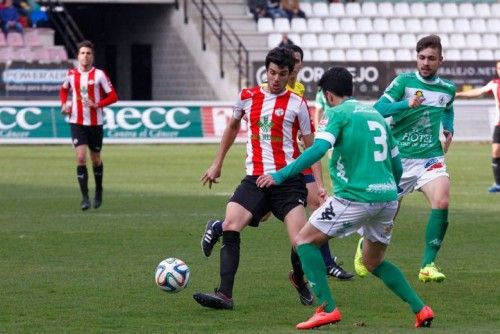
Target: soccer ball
x: 172, y: 275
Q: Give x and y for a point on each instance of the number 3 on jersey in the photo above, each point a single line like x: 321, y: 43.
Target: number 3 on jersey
x: 379, y: 140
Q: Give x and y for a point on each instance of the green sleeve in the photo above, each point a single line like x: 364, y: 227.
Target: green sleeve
x: 448, y: 119
x: 387, y: 108
x: 397, y: 168
x: 306, y: 159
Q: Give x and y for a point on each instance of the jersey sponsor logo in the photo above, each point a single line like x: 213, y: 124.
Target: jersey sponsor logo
x: 381, y: 187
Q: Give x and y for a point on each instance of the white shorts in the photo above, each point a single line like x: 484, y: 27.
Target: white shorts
x: 418, y: 172
x: 338, y: 217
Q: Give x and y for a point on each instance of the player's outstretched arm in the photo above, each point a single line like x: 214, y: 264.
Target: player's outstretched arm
x: 228, y: 138
x: 388, y: 108
x: 477, y: 92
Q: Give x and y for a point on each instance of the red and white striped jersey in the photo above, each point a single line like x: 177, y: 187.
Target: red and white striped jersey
x: 273, y: 124
x: 93, y: 85
x: 494, y: 87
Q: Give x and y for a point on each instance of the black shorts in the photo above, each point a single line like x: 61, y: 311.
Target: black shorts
x: 496, y: 134
x: 280, y: 199
x: 87, y: 135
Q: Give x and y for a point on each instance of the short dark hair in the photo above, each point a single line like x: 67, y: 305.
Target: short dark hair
x: 282, y: 57
x: 337, y: 80
x: 296, y: 48
x: 85, y: 44
x: 431, y: 41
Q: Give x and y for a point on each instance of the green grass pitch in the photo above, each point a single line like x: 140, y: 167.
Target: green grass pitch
x: 67, y: 271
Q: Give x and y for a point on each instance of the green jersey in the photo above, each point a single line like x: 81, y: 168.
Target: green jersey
x: 361, y: 164
x: 417, y: 129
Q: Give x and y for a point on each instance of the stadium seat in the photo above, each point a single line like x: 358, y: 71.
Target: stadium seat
x: 353, y: 9
x: 24, y: 54
x: 342, y: 41
x: 336, y: 9
x: 295, y: 38
x: 445, y: 25
x: 408, y: 41
x: 364, y: 24
x: 358, y: 41
x: 497, y: 54
x: 370, y: 55
x: 281, y: 24
x: 457, y: 41
x: 57, y: 53
x: 31, y: 38
x: 445, y: 42
x: 403, y: 55
x: 3, y: 42
x: 307, y: 55
x: 483, y: 10
x: 15, y: 38
x: 42, y: 54
x: 314, y: 25
x: 265, y: 24
x: 466, y: 9
x: 320, y: 9
x: 375, y: 41
x: 380, y: 24
x: 309, y: 41
x: 493, y: 25
x: 397, y: 25
x: 369, y: 9
x: 462, y: 25
x: 413, y: 25
x: 434, y: 9
x: 337, y: 55
x: 306, y: 7
x: 452, y: 54
x: 450, y: 9
x: 484, y: 54
x: 298, y: 25
x: 347, y: 24
x: 391, y: 41
x: 474, y: 41
x: 429, y: 25
x: 326, y: 41
x: 331, y: 25
x: 478, y: 25
x: 490, y: 41
x: 402, y: 9
x: 469, y: 54
x: 320, y: 55
x: 495, y: 9
x: 6, y: 54
x: 353, y: 55
x: 386, y: 55
x: 273, y: 40
x: 418, y: 9
x: 386, y: 9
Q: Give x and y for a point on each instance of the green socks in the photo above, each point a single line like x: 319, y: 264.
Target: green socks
x: 315, y: 271
x: 434, y: 234
x: 394, y: 279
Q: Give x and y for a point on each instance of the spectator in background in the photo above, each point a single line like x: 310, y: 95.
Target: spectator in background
x: 258, y: 8
x: 286, y: 41
x: 292, y: 9
x: 9, y: 17
x: 275, y: 10
x: 37, y: 15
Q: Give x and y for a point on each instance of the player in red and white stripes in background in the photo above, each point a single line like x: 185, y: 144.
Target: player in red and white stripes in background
x: 491, y: 87
x: 275, y: 116
x: 91, y: 91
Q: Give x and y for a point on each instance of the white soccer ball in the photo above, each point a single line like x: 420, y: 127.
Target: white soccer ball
x: 172, y: 275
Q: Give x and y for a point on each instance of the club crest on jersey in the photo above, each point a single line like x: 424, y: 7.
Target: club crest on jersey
x: 420, y: 94
x: 279, y: 112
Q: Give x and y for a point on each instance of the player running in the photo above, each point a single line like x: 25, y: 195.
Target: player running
x: 418, y: 103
